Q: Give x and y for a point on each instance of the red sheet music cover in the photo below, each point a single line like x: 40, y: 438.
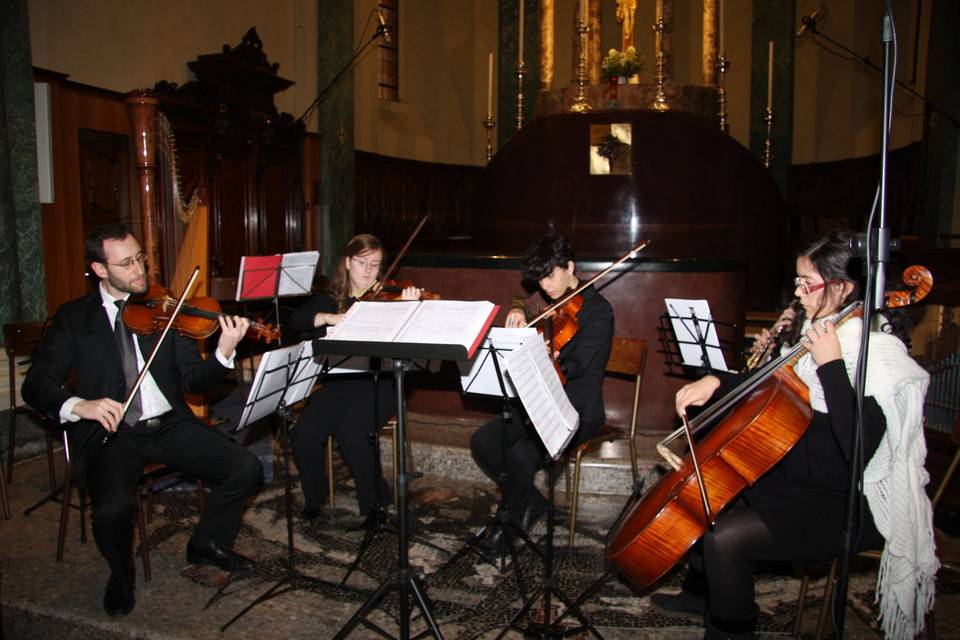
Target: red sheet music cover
x: 483, y: 333
x: 259, y: 277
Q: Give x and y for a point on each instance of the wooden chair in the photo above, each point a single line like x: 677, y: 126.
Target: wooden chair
x: 948, y: 552
x: 143, y: 498
x: 19, y: 341
x: 628, y: 356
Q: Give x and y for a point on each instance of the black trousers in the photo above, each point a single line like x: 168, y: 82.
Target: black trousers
x: 524, y: 454
x: 346, y: 410
x: 233, y: 473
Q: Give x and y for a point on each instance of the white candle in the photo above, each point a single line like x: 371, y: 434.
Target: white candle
x: 770, y: 77
x: 490, y: 85
x: 584, y: 11
x: 520, y: 35
x: 720, y: 28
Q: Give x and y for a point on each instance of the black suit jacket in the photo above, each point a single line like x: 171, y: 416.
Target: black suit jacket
x: 81, y: 339
x: 584, y: 359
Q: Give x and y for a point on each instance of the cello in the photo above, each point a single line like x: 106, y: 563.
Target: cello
x: 768, y: 414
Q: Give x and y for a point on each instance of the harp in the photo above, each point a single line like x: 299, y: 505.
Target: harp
x: 174, y: 230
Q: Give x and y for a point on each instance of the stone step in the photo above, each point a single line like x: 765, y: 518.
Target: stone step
x: 441, y: 448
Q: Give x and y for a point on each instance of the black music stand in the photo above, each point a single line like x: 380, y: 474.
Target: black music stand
x: 285, y: 377
x: 500, y: 520
x: 403, y: 578
x: 697, y: 331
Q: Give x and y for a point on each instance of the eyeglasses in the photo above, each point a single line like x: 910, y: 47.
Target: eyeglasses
x: 140, y: 258
x: 367, y: 264
x: 808, y: 288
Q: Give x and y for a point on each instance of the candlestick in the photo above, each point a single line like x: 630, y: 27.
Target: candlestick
x: 521, y: 71
x: 488, y: 124
x: 722, y: 66
x: 770, y: 77
x: 659, y: 14
x: 660, y: 100
x: 585, y: 11
x: 580, y: 103
x: 520, y: 35
x: 490, y: 85
x: 768, y: 143
x: 722, y: 49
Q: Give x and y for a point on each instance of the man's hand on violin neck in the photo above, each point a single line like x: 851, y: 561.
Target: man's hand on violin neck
x: 232, y: 331
x: 106, y: 411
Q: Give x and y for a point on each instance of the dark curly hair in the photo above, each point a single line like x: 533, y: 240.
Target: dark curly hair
x: 545, y: 254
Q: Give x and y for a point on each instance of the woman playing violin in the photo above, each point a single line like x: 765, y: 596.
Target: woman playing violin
x: 549, y: 265
x: 798, y: 509
x: 343, y: 407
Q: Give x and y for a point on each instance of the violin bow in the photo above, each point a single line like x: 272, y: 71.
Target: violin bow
x: 556, y: 305
x: 156, y: 348
x: 393, y: 265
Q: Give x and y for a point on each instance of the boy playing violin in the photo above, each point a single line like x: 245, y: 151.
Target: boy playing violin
x: 550, y: 267
x: 111, y: 448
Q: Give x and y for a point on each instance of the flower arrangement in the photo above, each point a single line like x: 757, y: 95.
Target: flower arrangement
x: 620, y: 64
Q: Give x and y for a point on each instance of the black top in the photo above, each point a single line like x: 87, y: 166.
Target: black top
x: 804, y: 496
x: 584, y: 358
x: 302, y: 319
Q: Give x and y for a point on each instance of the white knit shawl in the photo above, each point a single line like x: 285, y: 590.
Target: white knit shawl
x: 895, y: 477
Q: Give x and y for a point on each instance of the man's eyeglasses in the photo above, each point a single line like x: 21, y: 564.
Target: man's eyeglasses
x: 140, y: 258
x: 808, y: 288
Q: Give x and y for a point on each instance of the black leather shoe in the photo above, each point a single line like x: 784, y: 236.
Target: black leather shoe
x: 213, y: 554
x: 494, y: 545
x: 118, y: 597
x: 533, y: 513
x: 310, y: 514
x: 679, y: 604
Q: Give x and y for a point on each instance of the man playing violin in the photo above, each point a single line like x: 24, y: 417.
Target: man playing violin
x: 549, y: 266
x: 344, y: 405
x: 110, y: 448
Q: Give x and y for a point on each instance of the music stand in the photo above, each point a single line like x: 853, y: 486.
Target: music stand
x: 694, y: 334
x: 484, y: 376
x: 276, y: 276
x: 285, y: 376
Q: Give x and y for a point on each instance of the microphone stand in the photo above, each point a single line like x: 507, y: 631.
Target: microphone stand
x: 877, y: 256
x: 381, y: 31
x: 812, y: 28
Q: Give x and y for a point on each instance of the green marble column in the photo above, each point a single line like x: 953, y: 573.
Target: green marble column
x: 509, y: 43
x: 773, y: 20
x: 22, y: 294
x: 335, y: 123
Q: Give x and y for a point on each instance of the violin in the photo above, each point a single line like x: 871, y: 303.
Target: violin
x: 392, y: 290
x: 148, y: 312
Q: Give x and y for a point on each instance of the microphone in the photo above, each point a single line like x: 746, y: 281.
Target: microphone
x: 810, y: 21
x: 383, y: 29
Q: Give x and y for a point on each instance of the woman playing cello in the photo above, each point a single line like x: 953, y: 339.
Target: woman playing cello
x: 798, y: 510
x: 343, y: 408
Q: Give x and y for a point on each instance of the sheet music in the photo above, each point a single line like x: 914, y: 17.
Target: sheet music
x: 682, y: 314
x: 304, y: 375
x: 296, y: 273
x: 438, y: 322
x: 478, y: 375
x: 542, y: 394
x: 373, y: 321
x: 257, y: 277
x: 268, y: 384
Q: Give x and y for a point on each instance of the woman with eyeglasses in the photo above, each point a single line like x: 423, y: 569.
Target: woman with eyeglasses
x: 344, y: 404
x: 797, y: 511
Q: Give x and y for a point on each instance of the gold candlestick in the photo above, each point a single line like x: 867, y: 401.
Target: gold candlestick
x: 580, y: 104
x: 722, y: 66
x: 768, y: 144
x: 521, y: 71
x: 660, y: 101
x: 488, y: 124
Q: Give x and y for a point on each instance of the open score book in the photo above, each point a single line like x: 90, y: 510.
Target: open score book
x: 445, y: 322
